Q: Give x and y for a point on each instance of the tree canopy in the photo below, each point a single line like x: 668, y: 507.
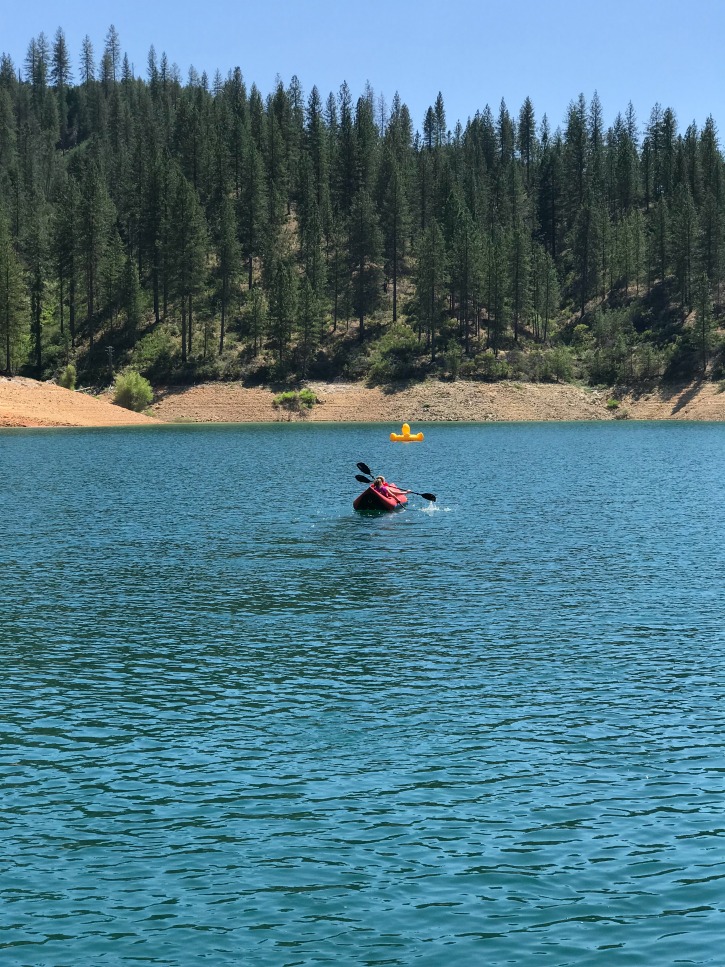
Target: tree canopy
x: 191, y: 227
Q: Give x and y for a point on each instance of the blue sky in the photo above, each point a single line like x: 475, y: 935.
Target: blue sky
x: 473, y: 52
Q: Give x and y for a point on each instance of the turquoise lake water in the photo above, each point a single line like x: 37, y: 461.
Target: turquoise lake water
x: 241, y: 724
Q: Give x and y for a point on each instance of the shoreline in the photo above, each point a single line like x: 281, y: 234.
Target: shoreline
x: 26, y: 403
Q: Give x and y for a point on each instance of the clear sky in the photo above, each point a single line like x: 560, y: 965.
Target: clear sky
x: 473, y: 51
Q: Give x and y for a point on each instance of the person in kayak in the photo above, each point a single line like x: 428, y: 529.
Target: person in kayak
x: 381, y: 487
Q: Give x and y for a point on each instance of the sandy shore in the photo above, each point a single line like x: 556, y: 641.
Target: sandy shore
x: 28, y: 403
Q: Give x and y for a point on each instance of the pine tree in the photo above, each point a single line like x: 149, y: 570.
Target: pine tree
x: 97, y: 215
x: 366, y: 145
x: 112, y: 52
x: 61, y: 76
x: 9, y: 180
x: 519, y: 278
x: 550, y: 196
x: 550, y: 295
x: 277, y: 174
x: 575, y: 159
x: 498, y: 287
x: 229, y: 259
x: 318, y: 149
x: 660, y: 238
x: 253, y: 209
x: 395, y: 217
x: 309, y: 324
x: 439, y: 114
x: 88, y: 67
x: 187, y: 255
x: 282, y: 307
x: 430, y: 281
x: 63, y: 250
x: 527, y: 138
x: 464, y: 265
x: 703, y: 320
x: 365, y: 258
x: 338, y: 273
x: 131, y: 300
x: 13, y: 314
x: 35, y: 254
x: 258, y: 316
x: 684, y: 243
x: 311, y: 234
x: 585, y: 248
x: 345, y: 175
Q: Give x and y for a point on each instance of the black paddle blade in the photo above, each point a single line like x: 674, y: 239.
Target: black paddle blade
x: 429, y: 497
x: 359, y: 476
x: 365, y: 469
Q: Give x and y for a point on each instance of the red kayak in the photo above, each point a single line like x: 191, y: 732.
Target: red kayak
x: 372, y: 499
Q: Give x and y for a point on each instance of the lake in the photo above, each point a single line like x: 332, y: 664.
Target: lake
x: 240, y: 723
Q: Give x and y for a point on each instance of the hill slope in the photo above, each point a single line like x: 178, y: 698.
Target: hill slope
x: 27, y: 403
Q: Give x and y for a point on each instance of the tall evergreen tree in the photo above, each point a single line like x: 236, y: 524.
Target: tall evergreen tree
x: 703, y: 320
x: 188, y: 249
x: 430, y: 281
x: 365, y: 247
x: 283, y: 306
x: 253, y: 208
x: 35, y: 246
x: 12, y: 301
x: 309, y: 323
x: 61, y: 76
x: 684, y: 241
x: 395, y: 216
x: 97, y: 216
x: 229, y: 259
x: 258, y: 316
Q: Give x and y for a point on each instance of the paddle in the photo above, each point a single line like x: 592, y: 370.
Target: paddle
x: 424, y: 496
x: 364, y: 466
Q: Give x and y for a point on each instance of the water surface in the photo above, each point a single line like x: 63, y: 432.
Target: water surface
x: 240, y: 723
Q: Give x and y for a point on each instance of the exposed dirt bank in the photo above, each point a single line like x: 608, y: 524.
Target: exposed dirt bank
x: 435, y: 401
x: 27, y: 403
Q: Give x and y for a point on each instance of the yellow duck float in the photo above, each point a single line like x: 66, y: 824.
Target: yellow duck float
x: 406, y: 436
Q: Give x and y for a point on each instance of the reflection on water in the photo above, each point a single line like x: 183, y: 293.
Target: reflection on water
x: 240, y: 723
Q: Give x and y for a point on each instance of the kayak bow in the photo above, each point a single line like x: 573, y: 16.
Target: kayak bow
x: 372, y: 499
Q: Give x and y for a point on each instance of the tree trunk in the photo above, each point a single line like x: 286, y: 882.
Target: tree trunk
x: 223, y: 318
x: 191, y: 324
x: 395, y: 268
x: 183, y: 328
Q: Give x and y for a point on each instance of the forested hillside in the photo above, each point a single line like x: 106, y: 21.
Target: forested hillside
x: 199, y: 229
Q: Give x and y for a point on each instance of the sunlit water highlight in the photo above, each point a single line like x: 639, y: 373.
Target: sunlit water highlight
x: 240, y: 723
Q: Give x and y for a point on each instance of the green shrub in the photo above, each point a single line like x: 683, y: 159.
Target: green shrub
x: 132, y: 391
x: 395, y: 355
x: 294, y: 401
x: 307, y: 398
x: 155, y: 354
x: 555, y: 366
x: 581, y: 335
x: 67, y: 378
x: 612, y: 404
x: 453, y: 358
x: 491, y: 367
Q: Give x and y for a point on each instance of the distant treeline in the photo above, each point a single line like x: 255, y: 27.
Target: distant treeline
x: 200, y: 229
